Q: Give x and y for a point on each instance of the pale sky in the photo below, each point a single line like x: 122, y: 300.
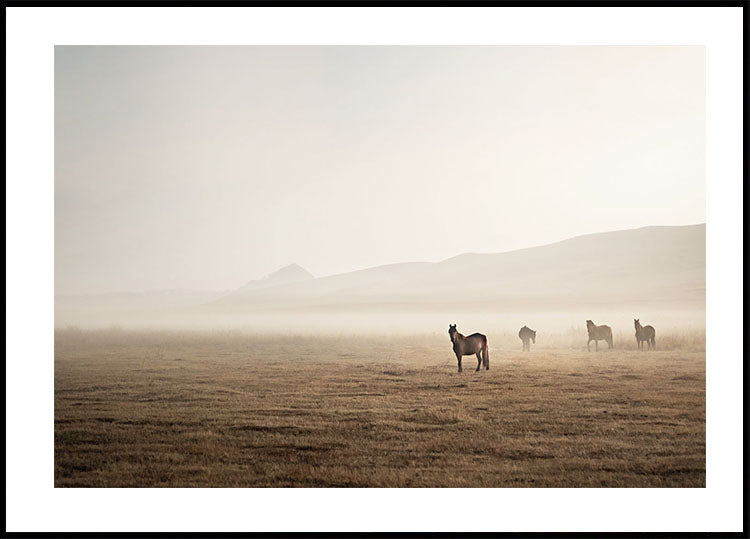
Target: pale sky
x: 206, y: 167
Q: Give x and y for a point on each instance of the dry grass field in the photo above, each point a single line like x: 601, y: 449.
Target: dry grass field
x: 169, y: 409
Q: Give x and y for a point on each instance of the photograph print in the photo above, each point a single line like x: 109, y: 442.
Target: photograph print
x: 380, y: 266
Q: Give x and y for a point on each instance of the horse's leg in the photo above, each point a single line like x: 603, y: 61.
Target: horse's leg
x: 588, y: 345
x: 596, y: 343
x: 458, y: 356
x: 479, y: 361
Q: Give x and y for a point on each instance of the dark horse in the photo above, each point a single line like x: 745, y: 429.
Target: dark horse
x: 644, y: 333
x: 598, y: 333
x: 476, y: 343
x: 526, y: 334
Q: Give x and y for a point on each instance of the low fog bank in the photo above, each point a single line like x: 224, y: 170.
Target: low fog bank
x: 394, y: 322
x: 396, y: 332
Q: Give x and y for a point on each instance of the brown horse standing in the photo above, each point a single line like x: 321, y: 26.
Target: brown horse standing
x: 476, y: 343
x: 598, y: 333
x: 644, y: 333
x: 526, y: 334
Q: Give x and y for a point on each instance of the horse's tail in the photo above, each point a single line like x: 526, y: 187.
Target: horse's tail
x: 611, y: 344
x: 486, y: 354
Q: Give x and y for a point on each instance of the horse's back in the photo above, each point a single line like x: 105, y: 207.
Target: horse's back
x: 600, y: 332
x: 477, y: 336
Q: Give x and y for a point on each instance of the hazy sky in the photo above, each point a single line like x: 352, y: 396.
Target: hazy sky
x: 206, y: 167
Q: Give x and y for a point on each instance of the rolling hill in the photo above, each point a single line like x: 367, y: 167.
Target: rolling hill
x: 658, y: 268
x: 653, y: 264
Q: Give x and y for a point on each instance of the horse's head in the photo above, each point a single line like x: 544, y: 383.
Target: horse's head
x: 452, y: 330
x: 636, y: 322
x: 533, y: 336
x: 589, y: 324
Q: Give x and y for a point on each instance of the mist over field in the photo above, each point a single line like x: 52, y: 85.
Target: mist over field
x: 655, y: 273
x: 350, y: 380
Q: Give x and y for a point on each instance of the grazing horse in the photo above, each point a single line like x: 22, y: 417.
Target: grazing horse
x: 476, y: 343
x: 644, y: 333
x: 525, y: 334
x: 598, y: 333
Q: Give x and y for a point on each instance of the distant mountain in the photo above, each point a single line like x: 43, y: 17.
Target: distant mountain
x: 659, y: 268
x: 660, y: 264
x: 292, y: 273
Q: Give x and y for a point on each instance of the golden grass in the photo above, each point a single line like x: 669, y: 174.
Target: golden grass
x: 150, y: 409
